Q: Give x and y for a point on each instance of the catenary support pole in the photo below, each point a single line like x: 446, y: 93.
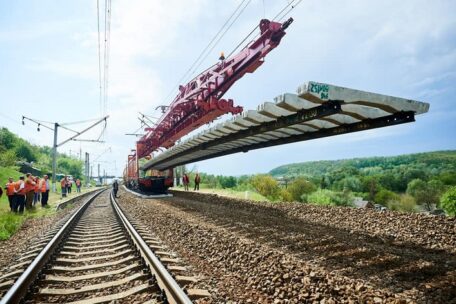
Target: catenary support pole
x: 54, y: 158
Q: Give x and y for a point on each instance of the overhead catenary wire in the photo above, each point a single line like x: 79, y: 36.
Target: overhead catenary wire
x: 107, y: 52
x: 99, y: 58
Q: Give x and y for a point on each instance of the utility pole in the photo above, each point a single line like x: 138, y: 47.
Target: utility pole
x: 99, y: 177
x: 56, y: 145
x: 87, y: 169
x: 54, y: 157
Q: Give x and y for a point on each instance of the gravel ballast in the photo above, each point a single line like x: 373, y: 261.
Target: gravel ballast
x: 32, y: 231
x: 294, y: 253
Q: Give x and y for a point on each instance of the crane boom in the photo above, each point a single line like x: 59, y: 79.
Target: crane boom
x: 200, y: 100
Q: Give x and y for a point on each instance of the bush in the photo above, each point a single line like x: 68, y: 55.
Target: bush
x: 285, y: 196
x: 320, y: 197
x: 404, y: 203
x: 448, y: 201
x: 8, y: 158
x: 266, y: 185
x: 384, y: 196
x: 300, y: 187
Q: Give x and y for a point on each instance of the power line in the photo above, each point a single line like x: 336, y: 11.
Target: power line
x: 99, y: 56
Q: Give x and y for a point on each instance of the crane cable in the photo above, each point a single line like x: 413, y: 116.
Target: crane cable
x: 295, y: 2
x: 204, y: 53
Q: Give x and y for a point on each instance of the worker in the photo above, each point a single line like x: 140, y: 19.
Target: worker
x: 37, y: 191
x: 20, y: 191
x: 44, y: 187
x: 186, y: 181
x: 69, y: 185
x: 197, y: 182
x: 78, y: 185
x: 10, y: 193
x: 115, y: 187
x: 63, y: 185
x: 29, y: 190
x: 1, y: 191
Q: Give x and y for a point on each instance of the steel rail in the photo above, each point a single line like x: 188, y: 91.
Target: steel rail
x: 20, y: 288
x: 173, y: 292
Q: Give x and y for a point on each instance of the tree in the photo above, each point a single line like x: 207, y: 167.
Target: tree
x: 351, y: 183
x: 227, y: 181
x: 370, y: 185
x: 8, y: 158
x: 7, y: 139
x: 299, y: 187
x: 425, y: 193
x: 266, y: 185
x: 448, y: 201
x: 24, y: 151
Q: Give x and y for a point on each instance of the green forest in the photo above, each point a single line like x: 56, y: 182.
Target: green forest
x: 14, y: 149
x: 409, y: 183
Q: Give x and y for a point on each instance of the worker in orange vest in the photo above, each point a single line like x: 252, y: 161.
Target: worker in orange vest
x: 20, y: 191
x: 29, y: 190
x: 37, y: 191
x: 44, y: 187
x: 78, y: 185
x: 11, y: 193
x: 63, y: 185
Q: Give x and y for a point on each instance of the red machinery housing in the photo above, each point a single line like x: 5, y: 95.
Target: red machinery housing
x: 200, y: 102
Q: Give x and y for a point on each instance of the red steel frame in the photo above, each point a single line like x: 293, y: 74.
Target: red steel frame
x: 200, y: 101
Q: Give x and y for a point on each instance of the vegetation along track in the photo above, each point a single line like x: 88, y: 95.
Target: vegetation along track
x: 98, y: 256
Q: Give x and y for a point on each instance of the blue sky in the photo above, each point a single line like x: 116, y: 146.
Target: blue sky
x: 49, y: 69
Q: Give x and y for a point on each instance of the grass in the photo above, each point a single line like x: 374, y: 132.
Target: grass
x: 10, y: 223
x: 250, y: 195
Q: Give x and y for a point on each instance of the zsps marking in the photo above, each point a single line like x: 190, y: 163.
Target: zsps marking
x: 321, y: 89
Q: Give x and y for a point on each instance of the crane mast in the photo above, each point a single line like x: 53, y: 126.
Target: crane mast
x: 200, y: 100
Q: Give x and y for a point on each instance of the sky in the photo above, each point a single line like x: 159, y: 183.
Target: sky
x: 49, y: 70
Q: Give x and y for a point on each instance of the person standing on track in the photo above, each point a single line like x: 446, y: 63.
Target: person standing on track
x: 63, y: 185
x: 29, y: 191
x: 185, y: 181
x: 10, y: 186
x: 197, y: 182
x: 20, y: 195
x: 44, y: 191
x: 115, y: 187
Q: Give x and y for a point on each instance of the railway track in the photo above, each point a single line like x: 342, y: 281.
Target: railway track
x: 98, y: 256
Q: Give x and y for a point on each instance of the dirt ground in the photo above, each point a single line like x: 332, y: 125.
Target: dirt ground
x: 252, y: 252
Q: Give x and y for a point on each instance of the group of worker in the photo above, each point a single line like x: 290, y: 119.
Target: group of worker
x: 66, y: 185
x: 186, y: 181
x: 26, y: 192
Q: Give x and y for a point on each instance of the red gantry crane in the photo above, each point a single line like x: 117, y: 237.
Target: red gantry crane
x: 200, y: 102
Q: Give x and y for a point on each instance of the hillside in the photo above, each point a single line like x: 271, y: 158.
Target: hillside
x: 432, y: 163
x: 14, y: 149
x: 397, y: 181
